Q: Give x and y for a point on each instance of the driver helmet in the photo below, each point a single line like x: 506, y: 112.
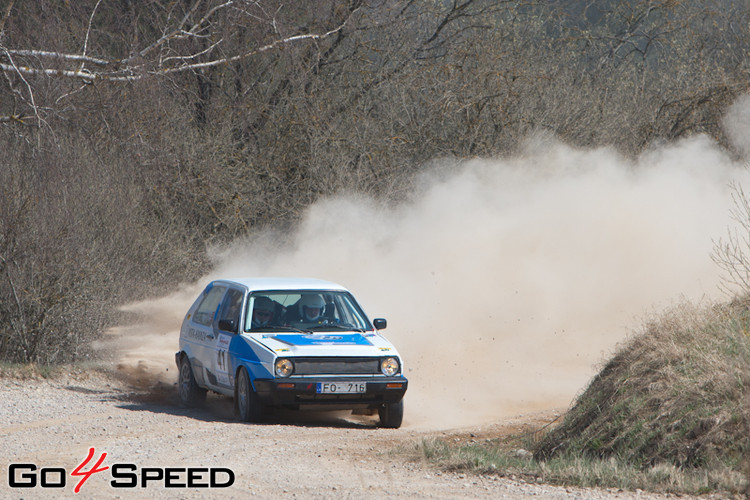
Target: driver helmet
x: 262, y: 311
x: 311, y: 307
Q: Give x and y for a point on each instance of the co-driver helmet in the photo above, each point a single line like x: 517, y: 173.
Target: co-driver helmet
x: 311, y: 301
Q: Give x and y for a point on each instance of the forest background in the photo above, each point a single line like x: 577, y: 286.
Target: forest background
x: 135, y: 136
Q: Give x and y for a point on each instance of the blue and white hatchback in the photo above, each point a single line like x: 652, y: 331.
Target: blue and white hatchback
x: 288, y: 342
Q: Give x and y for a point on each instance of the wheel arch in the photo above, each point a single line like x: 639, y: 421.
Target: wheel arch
x: 195, y: 365
x: 241, y: 366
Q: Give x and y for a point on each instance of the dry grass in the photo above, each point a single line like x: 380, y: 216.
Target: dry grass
x: 670, y: 412
x: 675, y: 397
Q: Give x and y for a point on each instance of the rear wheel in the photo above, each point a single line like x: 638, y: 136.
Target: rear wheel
x: 391, y: 414
x: 246, y: 400
x: 189, y: 391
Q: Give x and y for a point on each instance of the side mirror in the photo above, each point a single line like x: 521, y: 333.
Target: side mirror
x: 379, y: 323
x: 227, y: 325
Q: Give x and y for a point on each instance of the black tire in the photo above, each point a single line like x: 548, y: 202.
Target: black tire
x: 391, y: 414
x: 187, y: 388
x: 246, y: 400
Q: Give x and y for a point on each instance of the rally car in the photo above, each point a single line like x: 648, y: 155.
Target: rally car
x: 288, y: 342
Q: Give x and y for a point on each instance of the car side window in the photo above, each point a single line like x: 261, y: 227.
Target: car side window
x: 231, y: 307
x: 208, y: 307
x: 347, y: 312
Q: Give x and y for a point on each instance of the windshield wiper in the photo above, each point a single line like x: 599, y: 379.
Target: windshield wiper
x: 336, y: 326
x: 272, y: 328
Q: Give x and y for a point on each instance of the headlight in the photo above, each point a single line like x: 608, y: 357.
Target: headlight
x: 283, y: 367
x: 389, y: 366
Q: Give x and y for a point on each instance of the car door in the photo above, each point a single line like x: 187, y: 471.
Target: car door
x: 225, y: 328
x: 203, y: 332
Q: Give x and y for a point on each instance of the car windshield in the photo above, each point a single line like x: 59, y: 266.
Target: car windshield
x: 307, y: 311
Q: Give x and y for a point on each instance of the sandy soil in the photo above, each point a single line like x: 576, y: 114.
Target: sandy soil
x: 54, y: 423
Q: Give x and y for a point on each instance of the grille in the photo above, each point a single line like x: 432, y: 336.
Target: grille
x: 336, y: 366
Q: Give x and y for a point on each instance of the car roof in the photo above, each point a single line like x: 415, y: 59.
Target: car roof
x: 269, y: 283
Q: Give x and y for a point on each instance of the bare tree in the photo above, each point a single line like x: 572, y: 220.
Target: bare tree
x: 184, y: 39
x: 732, y: 254
x: 138, y: 133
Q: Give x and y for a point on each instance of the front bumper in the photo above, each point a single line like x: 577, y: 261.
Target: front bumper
x: 296, y: 393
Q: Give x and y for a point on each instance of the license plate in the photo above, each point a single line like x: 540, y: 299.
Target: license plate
x: 341, y: 387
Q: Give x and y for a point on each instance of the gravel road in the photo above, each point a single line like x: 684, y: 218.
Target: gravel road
x: 54, y: 423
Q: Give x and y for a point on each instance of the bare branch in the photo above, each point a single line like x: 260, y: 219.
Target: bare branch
x: 259, y: 50
x: 5, y: 17
x: 179, y: 32
x: 88, y: 33
x: 59, y: 55
x: 193, y: 56
x: 16, y: 119
x: 129, y: 74
x: 84, y: 74
x: 15, y: 68
x: 733, y: 254
x: 205, y: 18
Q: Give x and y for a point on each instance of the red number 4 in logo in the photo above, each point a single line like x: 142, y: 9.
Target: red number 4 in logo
x: 85, y: 474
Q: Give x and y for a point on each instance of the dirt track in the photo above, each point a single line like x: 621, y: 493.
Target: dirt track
x: 53, y: 424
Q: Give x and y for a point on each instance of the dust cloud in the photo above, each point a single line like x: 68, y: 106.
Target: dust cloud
x: 505, y: 282
x: 143, y: 351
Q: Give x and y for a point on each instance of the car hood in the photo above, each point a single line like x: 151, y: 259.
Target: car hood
x: 326, y: 344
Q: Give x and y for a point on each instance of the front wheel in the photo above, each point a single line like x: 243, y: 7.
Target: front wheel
x: 189, y: 391
x: 391, y: 414
x: 247, y: 405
